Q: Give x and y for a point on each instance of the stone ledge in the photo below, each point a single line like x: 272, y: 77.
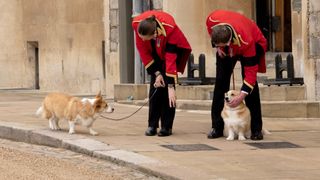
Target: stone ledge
x: 131, y: 92
x: 270, y: 109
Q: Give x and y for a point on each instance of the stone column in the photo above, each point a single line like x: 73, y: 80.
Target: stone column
x: 111, y: 29
x: 297, y: 38
x: 314, y: 43
x: 311, y: 44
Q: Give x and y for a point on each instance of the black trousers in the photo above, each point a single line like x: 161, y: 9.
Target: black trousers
x: 159, y: 106
x: 224, y: 69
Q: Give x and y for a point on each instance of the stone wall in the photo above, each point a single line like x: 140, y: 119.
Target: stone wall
x: 14, y: 66
x: 297, y: 38
x: 314, y: 43
x: 189, y: 15
x: 69, y: 34
x: 191, y: 18
x: 314, y: 30
x: 114, y: 25
x: 111, y: 29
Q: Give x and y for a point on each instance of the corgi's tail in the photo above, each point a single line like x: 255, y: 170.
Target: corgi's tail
x: 39, y: 111
x: 265, y: 131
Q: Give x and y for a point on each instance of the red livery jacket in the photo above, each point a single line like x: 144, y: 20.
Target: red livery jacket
x: 168, y: 33
x: 246, y: 34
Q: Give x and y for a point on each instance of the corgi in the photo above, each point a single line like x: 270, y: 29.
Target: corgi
x: 236, y: 120
x: 58, y: 106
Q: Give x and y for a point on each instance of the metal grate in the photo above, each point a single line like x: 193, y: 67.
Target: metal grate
x: 274, y: 145
x: 189, y: 147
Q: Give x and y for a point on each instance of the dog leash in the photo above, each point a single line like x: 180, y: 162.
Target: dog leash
x: 233, y: 83
x: 126, y: 117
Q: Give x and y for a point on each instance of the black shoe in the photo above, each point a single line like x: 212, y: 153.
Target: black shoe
x: 151, y: 131
x: 165, y: 132
x: 256, y: 136
x: 214, y: 134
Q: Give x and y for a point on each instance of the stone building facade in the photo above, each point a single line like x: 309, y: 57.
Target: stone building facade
x: 312, y: 53
x: 84, y: 46
x: 52, y: 45
x: 304, y: 32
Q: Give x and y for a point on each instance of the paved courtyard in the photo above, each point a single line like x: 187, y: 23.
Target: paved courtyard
x: 290, y: 152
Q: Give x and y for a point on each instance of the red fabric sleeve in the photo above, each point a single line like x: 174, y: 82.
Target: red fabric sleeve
x: 250, y: 73
x: 171, y: 66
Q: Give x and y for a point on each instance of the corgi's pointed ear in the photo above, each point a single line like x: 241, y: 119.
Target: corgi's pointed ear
x: 99, y: 94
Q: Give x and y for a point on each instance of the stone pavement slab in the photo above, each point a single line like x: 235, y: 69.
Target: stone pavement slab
x: 124, y: 142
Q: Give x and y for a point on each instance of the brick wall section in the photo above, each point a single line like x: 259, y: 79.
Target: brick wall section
x: 114, y: 21
x: 114, y: 25
x: 317, y: 83
x: 314, y: 33
x: 314, y: 41
x: 314, y: 28
x: 157, y: 4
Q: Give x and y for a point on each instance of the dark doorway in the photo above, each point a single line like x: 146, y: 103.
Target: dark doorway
x: 274, y: 19
x: 33, y: 59
x: 287, y: 27
x: 263, y: 14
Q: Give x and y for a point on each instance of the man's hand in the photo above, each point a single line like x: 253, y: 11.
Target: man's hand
x: 159, y: 81
x: 172, y: 96
x: 220, y: 52
x: 237, y: 100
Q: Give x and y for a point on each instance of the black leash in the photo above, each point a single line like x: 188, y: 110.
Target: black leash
x: 119, y: 119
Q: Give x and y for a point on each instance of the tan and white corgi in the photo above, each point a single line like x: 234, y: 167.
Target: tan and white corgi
x: 237, y: 119
x: 58, y: 106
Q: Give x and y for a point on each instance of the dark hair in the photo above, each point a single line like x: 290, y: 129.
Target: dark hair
x: 220, y: 34
x: 147, y: 26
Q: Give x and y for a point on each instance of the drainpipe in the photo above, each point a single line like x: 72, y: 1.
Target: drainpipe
x: 139, y: 6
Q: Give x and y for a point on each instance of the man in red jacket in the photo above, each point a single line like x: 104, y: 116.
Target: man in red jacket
x: 236, y: 37
x: 164, y: 51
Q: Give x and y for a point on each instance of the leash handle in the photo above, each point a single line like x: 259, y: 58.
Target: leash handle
x: 126, y: 117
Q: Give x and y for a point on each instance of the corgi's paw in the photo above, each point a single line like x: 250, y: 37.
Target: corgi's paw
x: 93, y: 132
x: 230, y: 138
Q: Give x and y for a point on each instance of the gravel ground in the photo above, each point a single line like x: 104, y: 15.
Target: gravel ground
x: 27, y: 161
